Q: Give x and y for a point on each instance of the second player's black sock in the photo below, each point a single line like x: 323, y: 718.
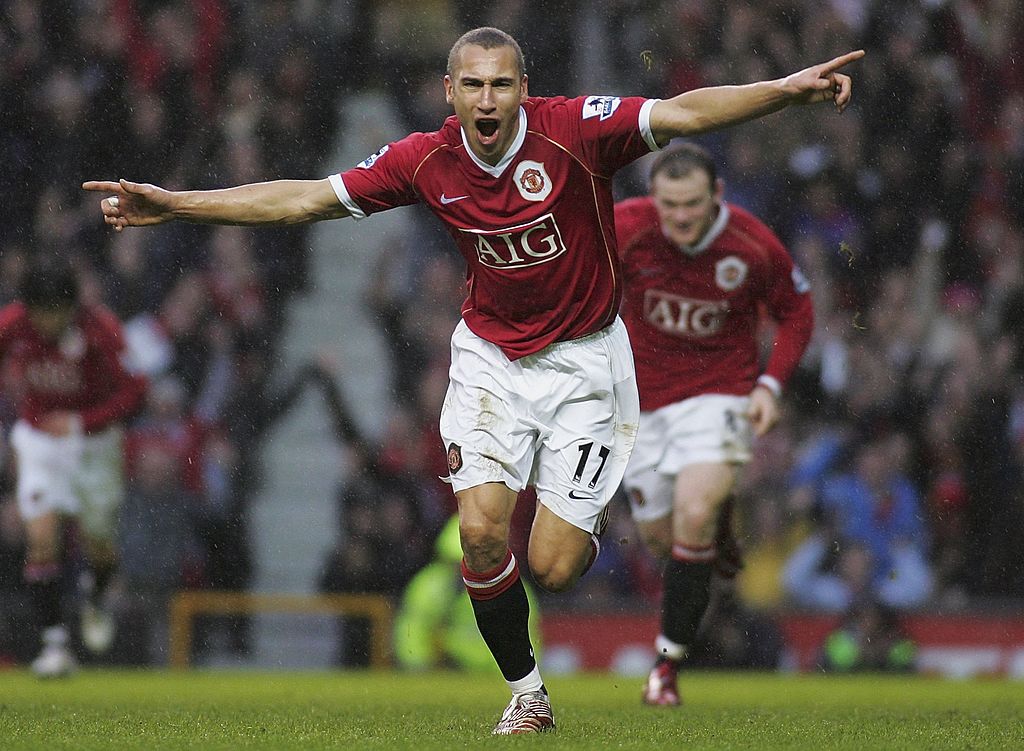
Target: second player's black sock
x: 44, y: 588
x: 687, y: 591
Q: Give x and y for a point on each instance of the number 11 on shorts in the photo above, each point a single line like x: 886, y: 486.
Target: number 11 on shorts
x: 585, y: 450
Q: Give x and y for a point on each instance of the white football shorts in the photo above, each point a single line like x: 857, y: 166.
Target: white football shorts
x: 563, y: 420
x: 710, y: 428
x: 79, y: 475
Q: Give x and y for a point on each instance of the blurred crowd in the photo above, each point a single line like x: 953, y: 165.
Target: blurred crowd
x: 897, y: 474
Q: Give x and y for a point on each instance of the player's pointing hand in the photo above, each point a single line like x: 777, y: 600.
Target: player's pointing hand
x: 823, y: 82
x: 132, y: 204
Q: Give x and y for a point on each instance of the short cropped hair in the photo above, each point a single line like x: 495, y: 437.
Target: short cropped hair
x: 489, y: 38
x: 49, y: 282
x: 681, y: 159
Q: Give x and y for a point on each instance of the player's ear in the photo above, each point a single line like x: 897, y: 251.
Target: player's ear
x: 449, y: 89
x: 524, y: 86
x: 719, y: 191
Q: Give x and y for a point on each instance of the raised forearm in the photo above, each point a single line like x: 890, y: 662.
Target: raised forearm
x: 277, y: 202
x: 712, y: 108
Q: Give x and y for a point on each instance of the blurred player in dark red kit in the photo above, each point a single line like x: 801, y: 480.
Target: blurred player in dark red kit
x: 541, y: 390
x: 698, y: 274
x: 64, y: 360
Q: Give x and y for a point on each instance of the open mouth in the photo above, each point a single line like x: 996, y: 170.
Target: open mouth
x: 487, y: 127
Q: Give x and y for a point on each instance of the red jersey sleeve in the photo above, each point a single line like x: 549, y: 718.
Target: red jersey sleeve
x: 383, y: 180
x: 788, y: 303
x: 128, y: 388
x: 613, y: 131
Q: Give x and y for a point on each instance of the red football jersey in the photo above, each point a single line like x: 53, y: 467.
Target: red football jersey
x: 693, y: 318
x: 536, y: 230
x: 81, y: 372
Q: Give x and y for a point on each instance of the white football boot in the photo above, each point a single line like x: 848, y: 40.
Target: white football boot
x: 55, y: 660
x: 526, y: 713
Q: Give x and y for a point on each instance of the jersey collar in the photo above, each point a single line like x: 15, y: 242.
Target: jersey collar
x: 506, y: 160
x: 716, y: 229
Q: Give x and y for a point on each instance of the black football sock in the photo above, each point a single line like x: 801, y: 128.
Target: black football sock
x: 687, y: 591
x: 502, y: 615
x: 44, y: 588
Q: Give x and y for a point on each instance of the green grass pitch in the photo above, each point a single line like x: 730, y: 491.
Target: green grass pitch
x: 370, y: 710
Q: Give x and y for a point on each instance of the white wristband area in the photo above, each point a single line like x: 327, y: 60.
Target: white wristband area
x: 772, y: 384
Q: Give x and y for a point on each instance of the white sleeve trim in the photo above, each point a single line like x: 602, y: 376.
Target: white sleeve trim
x: 771, y: 383
x: 645, y: 124
x: 344, y: 198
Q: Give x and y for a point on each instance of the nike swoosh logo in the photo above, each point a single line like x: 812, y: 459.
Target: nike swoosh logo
x: 446, y: 200
x: 572, y: 494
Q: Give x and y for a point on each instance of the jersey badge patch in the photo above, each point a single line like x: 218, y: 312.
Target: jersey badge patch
x: 368, y: 162
x: 730, y: 273
x: 454, y: 458
x: 532, y: 180
x: 600, y: 106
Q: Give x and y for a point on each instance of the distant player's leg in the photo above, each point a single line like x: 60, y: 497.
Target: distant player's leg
x: 699, y: 493
x: 44, y: 467
x: 492, y: 577
x: 100, y: 486
x: 44, y: 578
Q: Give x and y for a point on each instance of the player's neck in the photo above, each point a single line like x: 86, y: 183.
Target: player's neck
x: 496, y: 163
x: 710, y: 235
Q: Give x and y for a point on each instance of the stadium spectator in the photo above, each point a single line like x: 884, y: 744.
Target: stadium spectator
x: 698, y: 272
x: 73, y: 392
x: 878, y: 544
x: 487, y: 85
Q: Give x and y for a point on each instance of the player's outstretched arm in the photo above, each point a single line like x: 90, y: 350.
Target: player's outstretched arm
x: 131, y: 204
x: 715, y: 107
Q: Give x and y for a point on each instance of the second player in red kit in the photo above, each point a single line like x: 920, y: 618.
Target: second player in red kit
x: 699, y: 274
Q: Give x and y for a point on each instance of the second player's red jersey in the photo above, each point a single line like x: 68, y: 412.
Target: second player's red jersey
x: 693, y: 316
x: 536, y: 230
x: 81, y: 372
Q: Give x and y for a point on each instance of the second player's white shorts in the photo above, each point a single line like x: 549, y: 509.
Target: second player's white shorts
x: 563, y: 420
x: 78, y: 475
x: 711, y: 428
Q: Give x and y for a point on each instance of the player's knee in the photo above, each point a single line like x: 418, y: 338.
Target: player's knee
x: 483, y: 544
x: 42, y: 549
x: 555, y: 578
x: 698, y: 520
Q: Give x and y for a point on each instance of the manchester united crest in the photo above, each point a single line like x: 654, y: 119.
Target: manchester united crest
x: 532, y: 180
x: 454, y: 457
x: 730, y: 273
